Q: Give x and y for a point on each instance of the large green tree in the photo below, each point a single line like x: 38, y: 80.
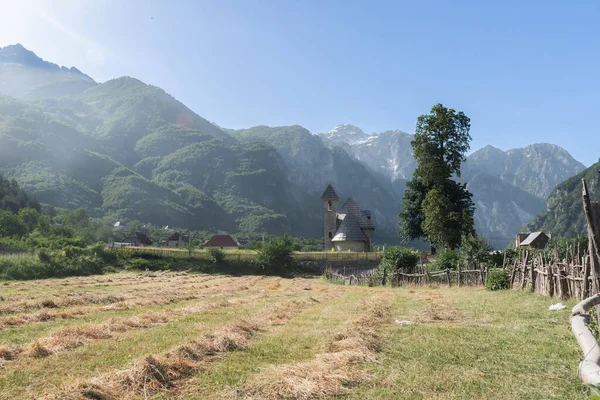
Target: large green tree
x: 435, y: 206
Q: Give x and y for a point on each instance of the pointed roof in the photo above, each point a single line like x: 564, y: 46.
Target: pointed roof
x: 531, y: 238
x: 363, y: 216
x: 330, y: 193
x: 221, y: 241
x: 349, y: 230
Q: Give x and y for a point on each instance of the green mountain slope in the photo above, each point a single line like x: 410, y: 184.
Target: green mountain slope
x: 564, y: 213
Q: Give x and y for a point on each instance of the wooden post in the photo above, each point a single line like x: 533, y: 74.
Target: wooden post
x: 564, y: 285
x: 590, y: 210
x: 550, y: 281
x: 524, y: 270
x: 586, y: 278
x: 532, y: 275
x: 512, y: 275
x: 448, y: 276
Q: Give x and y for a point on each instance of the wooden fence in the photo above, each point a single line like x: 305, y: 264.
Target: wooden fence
x: 564, y: 279
x: 448, y: 277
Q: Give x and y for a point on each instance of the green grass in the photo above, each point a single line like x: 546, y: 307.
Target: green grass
x: 467, y: 343
x: 503, y: 345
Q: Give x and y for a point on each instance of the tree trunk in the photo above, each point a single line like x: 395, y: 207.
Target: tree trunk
x: 589, y: 368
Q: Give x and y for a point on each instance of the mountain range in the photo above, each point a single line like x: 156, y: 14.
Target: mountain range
x: 509, y: 187
x: 123, y: 149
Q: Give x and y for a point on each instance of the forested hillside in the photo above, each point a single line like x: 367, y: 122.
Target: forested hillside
x: 564, y: 214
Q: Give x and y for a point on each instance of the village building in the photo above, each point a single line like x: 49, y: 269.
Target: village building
x: 535, y: 240
x: 137, y: 239
x: 224, y: 242
x: 348, y: 228
x: 177, y: 240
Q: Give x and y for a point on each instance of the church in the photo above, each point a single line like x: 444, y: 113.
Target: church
x: 348, y: 228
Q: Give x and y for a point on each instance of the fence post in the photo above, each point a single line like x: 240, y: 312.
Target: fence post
x: 448, y: 276
x: 564, y: 285
x: 532, y: 276
x: 550, y: 281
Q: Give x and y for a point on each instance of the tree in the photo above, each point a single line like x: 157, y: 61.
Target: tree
x: 435, y: 206
x: 474, y: 250
x: 277, y: 255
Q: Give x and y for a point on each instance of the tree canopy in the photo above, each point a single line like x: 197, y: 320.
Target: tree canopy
x: 435, y: 206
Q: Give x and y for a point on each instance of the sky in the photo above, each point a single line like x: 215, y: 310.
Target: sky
x: 523, y: 71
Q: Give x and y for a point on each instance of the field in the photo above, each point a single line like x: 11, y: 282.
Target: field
x: 194, y: 336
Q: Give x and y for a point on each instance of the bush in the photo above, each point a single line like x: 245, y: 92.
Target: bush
x: 445, y: 259
x: 497, y: 279
x: 276, y: 256
x: 397, y: 258
x: 216, y: 255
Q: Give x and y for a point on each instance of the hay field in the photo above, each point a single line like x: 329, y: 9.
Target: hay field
x: 175, y: 335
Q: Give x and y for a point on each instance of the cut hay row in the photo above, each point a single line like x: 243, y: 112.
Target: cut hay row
x: 74, y: 298
x: 70, y: 337
x: 67, y: 338
x: 162, y: 372
x: 63, y: 308
x: 331, y: 373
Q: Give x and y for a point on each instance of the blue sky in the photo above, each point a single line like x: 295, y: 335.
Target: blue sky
x: 524, y: 72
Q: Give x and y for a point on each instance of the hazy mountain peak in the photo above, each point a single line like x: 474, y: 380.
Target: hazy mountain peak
x: 346, y: 133
x: 19, y: 55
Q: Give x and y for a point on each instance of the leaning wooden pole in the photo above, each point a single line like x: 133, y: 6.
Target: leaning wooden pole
x: 591, y: 216
x: 589, y: 368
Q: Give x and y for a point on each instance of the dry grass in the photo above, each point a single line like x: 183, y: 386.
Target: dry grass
x: 331, y: 373
x: 162, y: 371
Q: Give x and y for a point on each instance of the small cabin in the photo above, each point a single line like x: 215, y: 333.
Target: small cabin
x: 535, y: 240
x: 137, y: 239
x: 177, y: 240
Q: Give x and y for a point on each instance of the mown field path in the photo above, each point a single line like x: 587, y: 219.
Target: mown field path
x: 192, y: 336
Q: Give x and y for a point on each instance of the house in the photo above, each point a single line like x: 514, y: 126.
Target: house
x: 348, y: 228
x: 137, y: 239
x: 535, y: 240
x: 224, y: 242
x: 177, y: 240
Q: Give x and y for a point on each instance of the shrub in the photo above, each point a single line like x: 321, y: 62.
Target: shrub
x: 216, y: 255
x: 497, y: 279
x: 397, y: 258
x: 446, y: 259
x: 276, y: 256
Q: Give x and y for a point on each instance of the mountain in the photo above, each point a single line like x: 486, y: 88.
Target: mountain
x: 312, y: 166
x: 509, y: 187
x: 536, y: 168
x: 25, y: 75
x: 564, y: 213
x: 128, y: 150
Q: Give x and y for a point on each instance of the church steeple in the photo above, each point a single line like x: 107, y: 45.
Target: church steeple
x: 329, y: 194
x: 330, y: 199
